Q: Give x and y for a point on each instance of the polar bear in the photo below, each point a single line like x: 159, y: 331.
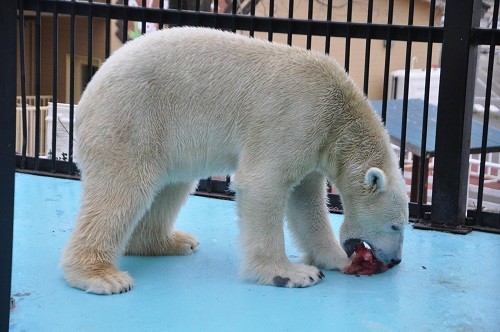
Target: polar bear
x: 198, y: 102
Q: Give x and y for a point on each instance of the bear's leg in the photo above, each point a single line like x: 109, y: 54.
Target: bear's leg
x: 261, y: 212
x: 109, y: 211
x: 154, y: 235
x: 307, y: 216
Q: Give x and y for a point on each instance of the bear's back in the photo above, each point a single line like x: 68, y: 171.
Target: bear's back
x: 203, y: 64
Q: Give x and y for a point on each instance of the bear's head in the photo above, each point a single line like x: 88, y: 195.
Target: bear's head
x: 376, y: 212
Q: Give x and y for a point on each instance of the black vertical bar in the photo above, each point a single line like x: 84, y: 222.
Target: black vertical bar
x: 404, y: 119
x: 179, y: 9
x: 162, y: 6
x: 8, y: 18
x: 310, y: 7
x: 125, y: 23
x: 23, y: 84
x: 197, y: 6
x: 72, y: 84
x: 290, y: 17
x: 38, y: 46
x: 90, y: 47
x: 425, y: 118
x: 143, y: 22
x: 107, y: 41
x: 234, y: 9
x: 347, y: 54
x: 486, y: 121
x: 368, y: 48
x: 388, y: 48
x: 227, y: 189
x: 215, y: 12
x: 329, y: 9
x: 453, y: 128
x: 55, y: 48
x: 90, y: 33
x: 252, y: 14
x: 271, y: 14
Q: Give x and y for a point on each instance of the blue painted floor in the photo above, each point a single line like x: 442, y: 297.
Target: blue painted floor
x: 445, y: 282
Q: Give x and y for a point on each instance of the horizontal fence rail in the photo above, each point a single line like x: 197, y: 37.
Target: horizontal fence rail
x: 412, y: 36
x: 239, y: 22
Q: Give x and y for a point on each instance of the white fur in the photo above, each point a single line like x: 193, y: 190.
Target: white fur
x: 186, y: 103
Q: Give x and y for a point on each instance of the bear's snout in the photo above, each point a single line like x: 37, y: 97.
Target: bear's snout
x: 390, y: 255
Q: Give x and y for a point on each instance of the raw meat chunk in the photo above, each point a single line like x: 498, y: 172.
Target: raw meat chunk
x: 365, y: 263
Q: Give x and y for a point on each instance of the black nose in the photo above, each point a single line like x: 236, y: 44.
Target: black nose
x: 395, y: 261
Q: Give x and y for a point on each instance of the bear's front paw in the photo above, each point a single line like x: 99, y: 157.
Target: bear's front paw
x: 290, y: 276
x: 105, y: 279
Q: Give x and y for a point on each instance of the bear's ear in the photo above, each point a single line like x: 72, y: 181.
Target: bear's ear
x: 375, y: 180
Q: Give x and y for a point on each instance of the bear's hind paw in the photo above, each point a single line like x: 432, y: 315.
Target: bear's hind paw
x: 176, y: 243
x: 181, y: 243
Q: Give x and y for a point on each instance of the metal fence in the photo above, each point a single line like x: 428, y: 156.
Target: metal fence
x: 60, y: 44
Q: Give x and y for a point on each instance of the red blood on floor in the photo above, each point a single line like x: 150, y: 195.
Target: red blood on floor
x: 365, y: 263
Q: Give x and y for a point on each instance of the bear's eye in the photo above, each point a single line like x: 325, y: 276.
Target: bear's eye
x: 395, y: 228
